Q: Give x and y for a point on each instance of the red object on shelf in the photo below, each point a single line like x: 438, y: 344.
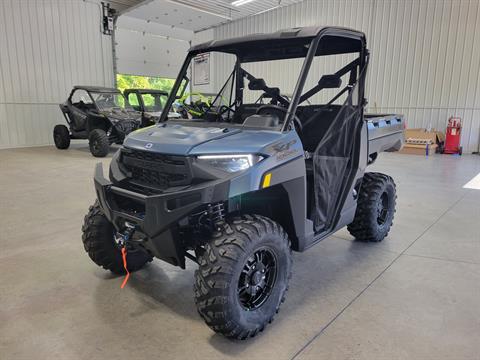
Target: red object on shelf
x: 452, y: 137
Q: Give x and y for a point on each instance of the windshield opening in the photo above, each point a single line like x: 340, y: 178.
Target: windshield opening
x: 232, y: 87
x: 109, y: 101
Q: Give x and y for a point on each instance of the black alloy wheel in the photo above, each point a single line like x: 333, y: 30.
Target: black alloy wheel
x: 257, y: 279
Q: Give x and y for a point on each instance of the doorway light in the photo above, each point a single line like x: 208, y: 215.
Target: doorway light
x: 241, y: 2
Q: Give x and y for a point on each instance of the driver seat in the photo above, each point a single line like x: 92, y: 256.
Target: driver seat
x: 316, y: 126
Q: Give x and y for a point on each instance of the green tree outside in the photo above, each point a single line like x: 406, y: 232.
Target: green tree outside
x: 125, y: 81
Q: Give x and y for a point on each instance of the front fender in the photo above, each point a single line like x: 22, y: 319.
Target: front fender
x: 283, y: 198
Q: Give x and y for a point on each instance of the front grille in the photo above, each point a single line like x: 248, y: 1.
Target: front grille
x: 154, y: 170
x: 126, y: 126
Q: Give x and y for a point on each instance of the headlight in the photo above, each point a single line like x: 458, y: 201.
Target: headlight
x: 230, y: 163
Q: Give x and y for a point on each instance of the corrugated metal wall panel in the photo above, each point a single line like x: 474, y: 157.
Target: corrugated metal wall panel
x: 150, y: 49
x: 425, y: 54
x: 226, y: 9
x: 46, y: 47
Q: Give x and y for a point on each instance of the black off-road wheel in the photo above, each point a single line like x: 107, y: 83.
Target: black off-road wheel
x: 375, y: 208
x: 99, y: 242
x: 61, y: 137
x: 98, y: 143
x: 243, y: 276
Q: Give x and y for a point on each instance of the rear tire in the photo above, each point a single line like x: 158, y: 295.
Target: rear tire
x: 98, y: 240
x: 375, y: 208
x: 251, y: 250
x: 61, y: 137
x: 98, y: 143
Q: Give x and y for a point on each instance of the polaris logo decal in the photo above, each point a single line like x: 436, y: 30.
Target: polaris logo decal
x: 148, y: 146
x: 284, y: 150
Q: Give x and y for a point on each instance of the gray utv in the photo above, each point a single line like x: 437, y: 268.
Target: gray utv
x: 236, y: 189
x: 101, y: 115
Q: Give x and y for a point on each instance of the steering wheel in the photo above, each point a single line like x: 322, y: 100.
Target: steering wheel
x: 280, y: 112
x: 217, y: 114
x: 224, y: 108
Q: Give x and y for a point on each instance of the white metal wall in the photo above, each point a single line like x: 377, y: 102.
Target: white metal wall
x: 150, y: 49
x: 46, y: 47
x: 425, y: 54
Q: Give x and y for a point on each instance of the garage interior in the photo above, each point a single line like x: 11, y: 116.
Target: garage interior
x: 414, y: 295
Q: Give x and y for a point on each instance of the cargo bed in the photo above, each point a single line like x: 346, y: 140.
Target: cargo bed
x: 385, y: 132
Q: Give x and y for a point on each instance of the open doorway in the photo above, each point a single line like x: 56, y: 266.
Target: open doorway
x: 127, y: 81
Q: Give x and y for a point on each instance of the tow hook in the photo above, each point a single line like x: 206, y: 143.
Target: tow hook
x: 129, y: 230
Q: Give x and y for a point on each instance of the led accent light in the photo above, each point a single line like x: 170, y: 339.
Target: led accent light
x: 214, y: 157
x: 230, y: 162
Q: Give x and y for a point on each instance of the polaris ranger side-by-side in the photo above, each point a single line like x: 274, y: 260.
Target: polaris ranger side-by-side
x: 241, y: 186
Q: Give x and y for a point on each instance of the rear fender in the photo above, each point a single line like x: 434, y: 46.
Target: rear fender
x: 66, y: 113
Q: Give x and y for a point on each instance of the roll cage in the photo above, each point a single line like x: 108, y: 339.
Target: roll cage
x: 157, y: 94
x: 293, y: 43
x: 95, y: 89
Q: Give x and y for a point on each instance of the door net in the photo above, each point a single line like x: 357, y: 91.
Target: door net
x: 333, y: 157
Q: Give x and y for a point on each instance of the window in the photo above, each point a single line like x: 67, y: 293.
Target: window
x: 133, y: 100
x: 107, y: 101
x: 154, y: 102
x: 81, y: 96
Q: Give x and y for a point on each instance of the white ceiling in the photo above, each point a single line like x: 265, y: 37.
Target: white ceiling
x: 197, y: 15
x: 122, y: 5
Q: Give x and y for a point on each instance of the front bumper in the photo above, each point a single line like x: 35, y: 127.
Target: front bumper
x: 156, y: 215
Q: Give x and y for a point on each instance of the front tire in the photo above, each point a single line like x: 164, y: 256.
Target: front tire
x: 375, y: 208
x: 99, y: 243
x: 98, y: 143
x: 243, y: 276
x: 61, y: 137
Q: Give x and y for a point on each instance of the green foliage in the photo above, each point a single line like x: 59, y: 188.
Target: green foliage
x: 125, y: 81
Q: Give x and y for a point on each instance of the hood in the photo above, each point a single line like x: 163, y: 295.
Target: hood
x: 157, y: 114
x: 153, y: 113
x: 189, y: 140
x: 122, y: 114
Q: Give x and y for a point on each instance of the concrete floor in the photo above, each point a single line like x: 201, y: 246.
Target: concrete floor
x: 414, y: 296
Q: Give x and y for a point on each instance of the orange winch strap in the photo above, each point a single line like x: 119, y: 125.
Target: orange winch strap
x: 124, y: 257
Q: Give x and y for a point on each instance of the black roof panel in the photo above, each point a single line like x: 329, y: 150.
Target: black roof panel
x: 147, y: 91
x: 96, y: 89
x: 287, y: 44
